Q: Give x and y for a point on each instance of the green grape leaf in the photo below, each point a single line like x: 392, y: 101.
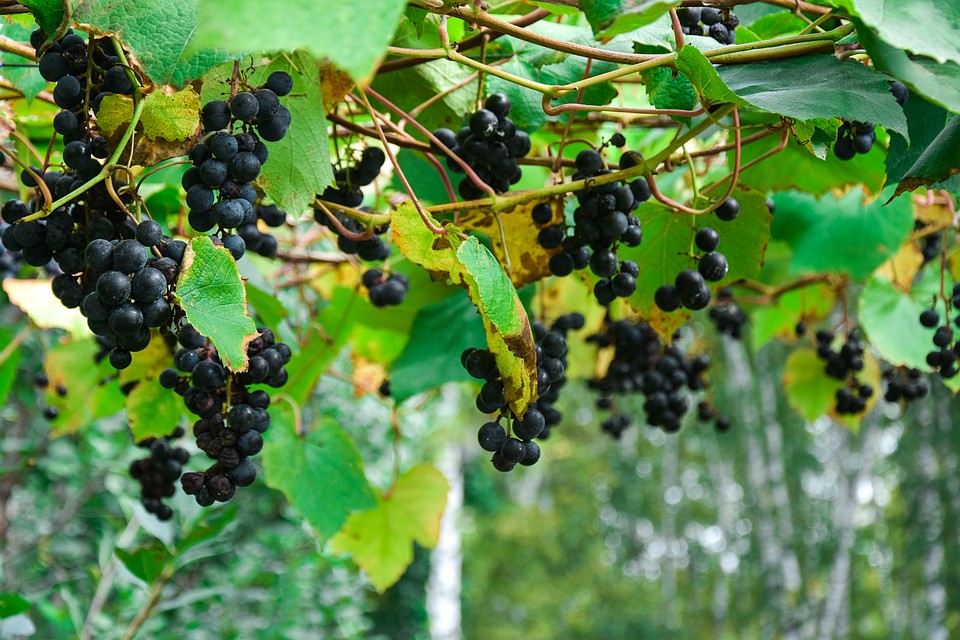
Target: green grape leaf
x: 938, y: 161
x: 380, y: 540
x: 417, y: 16
x: 47, y: 13
x: 924, y: 27
x: 35, y: 298
x: 299, y: 164
x: 318, y: 469
x: 95, y: 394
x: 926, y: 121
x: 157, y: 33
x: 841, y: 235
x: 779, y: 318
x: 817, y: 86
x: 471, y: 265
x: 667, y: 91
x: 611, y: 17
x: 421, y: 365
x: 667, y: 241
x: 705, y: 79
x: 782, y: 23
x: 797, y: 168
x: 408, y: 88
x: 151, y: 410
x: 206, y: 526
x: 211, y: 293
x: 812, y: 393
x: 146, y: 562
x: 325, y: 30
x: 8, y: 368
x: 890, y: 318
x: 25, y: 79
x: 940, y: 83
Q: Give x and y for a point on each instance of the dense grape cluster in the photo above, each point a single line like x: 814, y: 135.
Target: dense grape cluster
x: 642, y: 364
x: 546, y: 401
x: 601, y: 223
x: 218, y: 185
x: 232, y: 417
x: 690, y: 289
x: 943, y: 358
x: 515, y: 444
x: 904, y: 384
x: 158, y: 472
x: 490, y: 144
x: 727, y: 316
x: 844, y: 364
x: 385, y: 290
x: 706, y: 21
x: 257, y: 241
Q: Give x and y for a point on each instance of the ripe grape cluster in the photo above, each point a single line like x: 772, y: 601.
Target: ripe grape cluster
x: 642, y: 364
x: 858, y: 137
x: 158, y: 472
x: 943, y: 358
x: 904, y: 384
x: 218, y: 185
x: 695, y: 21
x: 385, y: 290
x: 490, y: 144
x: 844, y: 364
x: 602, y: 222
x: 727, y: 316
x: 518, y: 446
x: 689, y: 288
x: 66, y: 63
x: 232, y: 416
x: 546, y: 400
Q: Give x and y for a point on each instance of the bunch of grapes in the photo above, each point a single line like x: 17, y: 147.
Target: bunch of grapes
x: 943, y: 359
x: 858, y: 137
x: 696, y: 21
x: 546, y: 401
x: 218, y: 186
x: 642, y: 364
x: 690, y: 289
x: 904, y: 384
x: 257, y: 241
x: 385, y: 290
x: 490, y: 144
x: 158, y: 472
x: 844, y: 364
x: 518, y: 446
x: 602, y: 222
x: 232, y: 416
x: 727, y: 316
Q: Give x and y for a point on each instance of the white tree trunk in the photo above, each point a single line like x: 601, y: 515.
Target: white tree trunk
x: 446, y: 561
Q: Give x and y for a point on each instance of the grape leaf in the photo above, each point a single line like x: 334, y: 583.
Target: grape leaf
x: 35, y: 298
x: 25, y: 79
x: 779, y: 319
x: 513, y: 238
x: 95, y: 394
x: 408, y: 88
x: 611, y: 17
x: 817, y: 86
x: 925, y: 27
x: 705, y: 79
x: 841, y: 235
x: 925, y: 120
x: 151, y: 412
x: 325, y: 30
x: 471, y: 265
x: 8, y: 368
x: 667, y: 91
x: 169, y: 123
x: 890, y: 318
x: 11, y: 604
x: 319, y: 470
x: 667, y: 241
x: 381, y: 539
x: 938, y: 161
x: 211, y: 293
x: 47, y: 13
x: 812, y: 393
x: 157, y: 33
x: 146, y: 562
x: 421, y: 365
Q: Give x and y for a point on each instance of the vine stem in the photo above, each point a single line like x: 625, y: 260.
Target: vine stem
x: 396, y: 166
x: 677, y: 29
x: 784, y: 138
x: 17, y: 340
x: 480, y: 184
x: 114, y: 159
x: 47, y: 197
x: 18, y: 48
x: 153, y: 597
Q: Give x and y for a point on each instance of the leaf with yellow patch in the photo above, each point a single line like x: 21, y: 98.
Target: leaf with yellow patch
x: 469, y: 264
x: 513, y: 236
x: 902, y: 267
x: 94, y: 394
x: 35, y: 298
x: 151, y: 412
x: 381, y: 539
x: 169, y: 123
x: 335, y: 83
x: 812, y: 393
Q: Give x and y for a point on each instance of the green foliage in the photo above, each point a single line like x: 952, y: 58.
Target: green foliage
x: 146, y: 562
x: 896, y: 23
x: 212, y: 295
x: 47, y: 13
x: 611, y: 17
x: 25, y: 79
x: 317, y: 468
x: 326, y: 32
x: 938, y: 161
x: 88, y: 397
x: 889, y: 316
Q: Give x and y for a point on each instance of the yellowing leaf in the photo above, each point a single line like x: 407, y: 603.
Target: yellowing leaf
x: 93, y: 394
x: 469, y: 264
x: 35, y: 298
x: 169, y: 123
x: 522, y: 257
x: 901, y: 268
x: 381, y: 539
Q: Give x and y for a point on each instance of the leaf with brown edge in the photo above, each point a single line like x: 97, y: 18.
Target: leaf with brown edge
x: 471, y: 265
x: 335, y: 84
x: 513, y: 236
x: 169, y: 124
